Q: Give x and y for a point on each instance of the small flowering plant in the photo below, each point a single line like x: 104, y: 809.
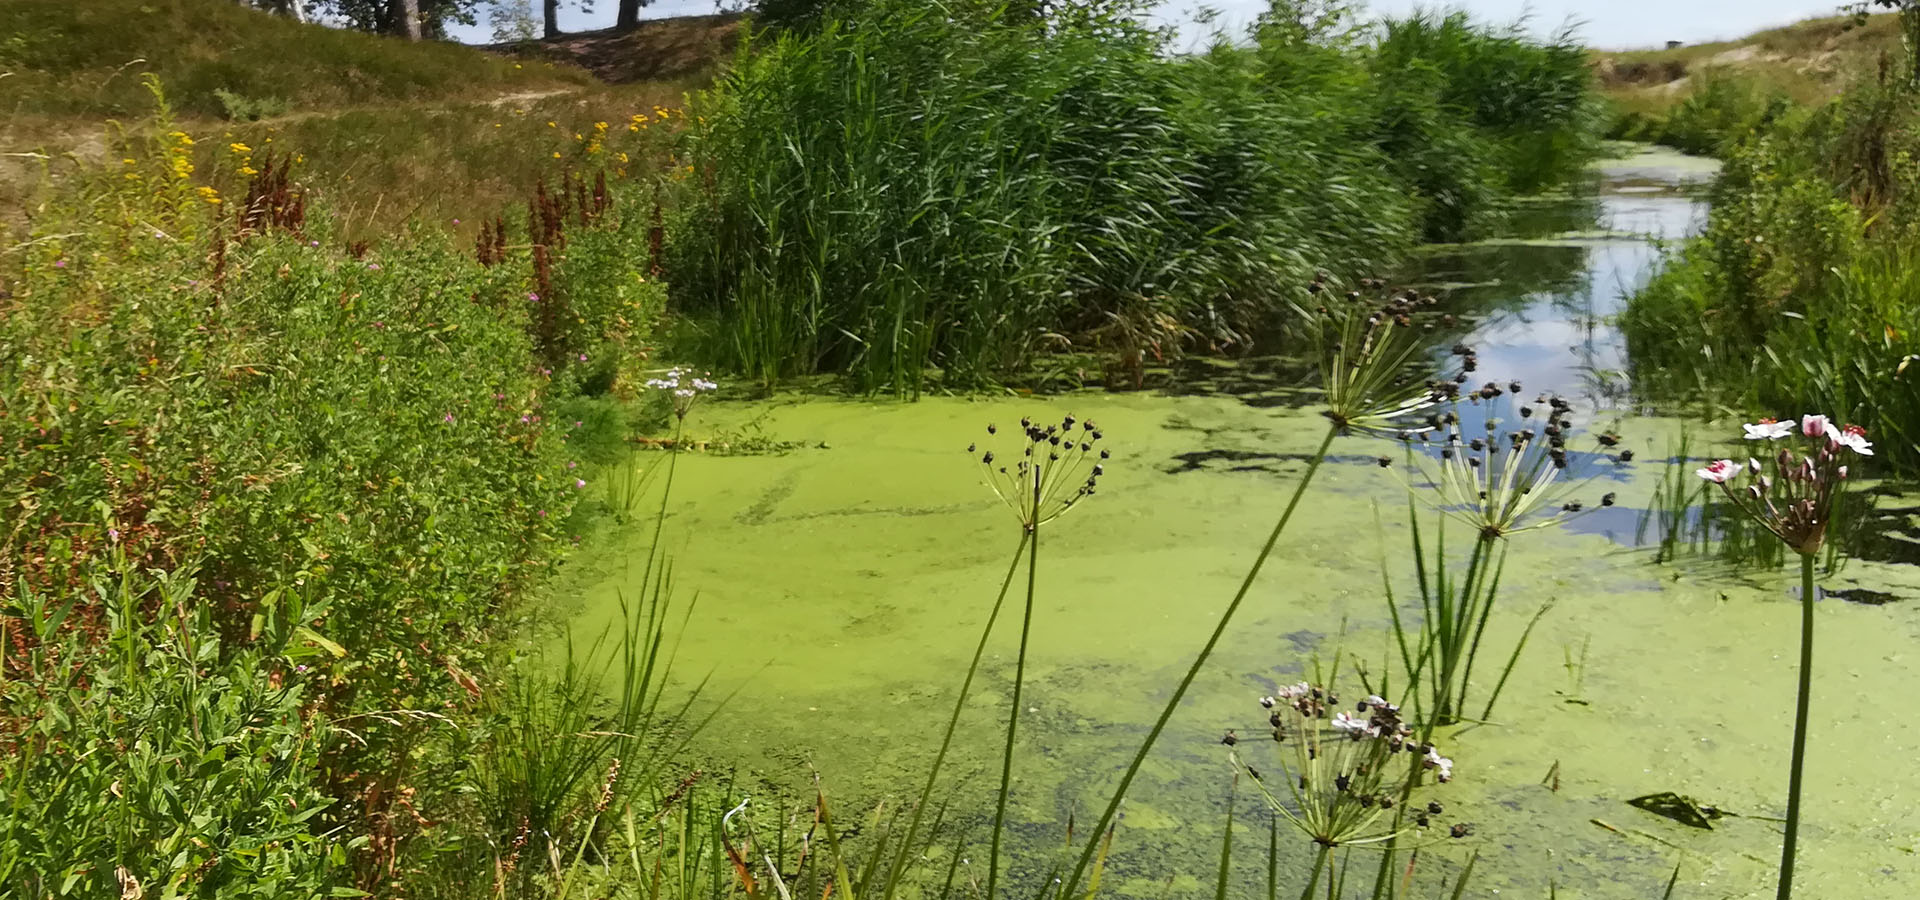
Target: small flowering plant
x: 1348, y: 770
x: 1058, y: 466
x: 1793, y: 495
x: 1511, y: 479
x: 682, y: 387
x: 1369, y: 347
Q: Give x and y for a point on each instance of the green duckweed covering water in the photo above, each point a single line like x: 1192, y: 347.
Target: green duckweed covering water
x: 840, y: 589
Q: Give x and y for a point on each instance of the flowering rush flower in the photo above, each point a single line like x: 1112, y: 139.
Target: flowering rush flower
x: 1057, y: 466
x: 1793, y: 495
x: 1768, y: 430
x: 1719, y: 471
x: 682, y: 386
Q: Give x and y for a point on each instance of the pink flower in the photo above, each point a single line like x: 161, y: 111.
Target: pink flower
x: 1768, y: 429
x: 571, y: 464
x: 59, y: 263
x: 533, y: 296
x: 113, y: 534
x: 583, y: 357
x: 579, y: 483
x: 1719, y: 471
x: 1815, y: 426
x: 448, y: 418
x: 1854, y: 438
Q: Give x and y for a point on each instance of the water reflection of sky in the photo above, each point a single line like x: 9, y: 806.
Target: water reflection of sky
x: 1545, y: 309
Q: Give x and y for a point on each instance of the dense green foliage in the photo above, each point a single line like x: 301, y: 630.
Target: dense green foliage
x: 1722, y: 106
x: 913, y: 186
x: 1800, y: 292
x: 269, y: 496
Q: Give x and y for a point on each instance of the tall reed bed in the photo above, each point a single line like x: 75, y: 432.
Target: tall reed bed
x: 953, y: 188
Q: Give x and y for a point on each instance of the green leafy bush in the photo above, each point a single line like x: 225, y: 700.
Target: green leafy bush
x: 1798, y: 294
x: 355, y: 452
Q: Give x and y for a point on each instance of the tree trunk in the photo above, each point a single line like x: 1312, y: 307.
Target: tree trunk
x: 406, y: 15
x: 551, y: 9
x: 629, y: 14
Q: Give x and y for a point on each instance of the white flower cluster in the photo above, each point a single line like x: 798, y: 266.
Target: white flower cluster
x: 682, y: 385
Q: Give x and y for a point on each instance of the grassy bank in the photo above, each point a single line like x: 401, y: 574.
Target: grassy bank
x: 1696, y: 96
x: 916, y: 191
x: 384, y: 125
x: 1801, y: 288
x: 272, y: 496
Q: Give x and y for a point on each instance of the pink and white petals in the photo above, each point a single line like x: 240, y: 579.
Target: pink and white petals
x: 1719, y: 471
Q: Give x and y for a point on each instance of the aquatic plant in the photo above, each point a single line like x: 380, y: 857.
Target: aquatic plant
x: 911, y: 190
x: 1057, y: 467
x: 1499, y: 485
x: 1343, y: 778
x: 1368, y: 385
x: 1794, y: 497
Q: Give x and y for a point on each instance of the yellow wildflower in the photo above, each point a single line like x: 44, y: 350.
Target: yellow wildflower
x: 239, y: 149
x: 249, y: 170
x: 129, y: 161
x: 556, y: 154
x: 551, y: 125
x: 600, y: 126
x: 210, y: 195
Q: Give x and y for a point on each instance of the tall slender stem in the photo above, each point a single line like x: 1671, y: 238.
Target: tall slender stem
x: 666, y: 490
x: 1799, y: 727
x: 1319, y: 862
x: 1180, y: 691
x: 1013, y: 711
x: 953, y: 721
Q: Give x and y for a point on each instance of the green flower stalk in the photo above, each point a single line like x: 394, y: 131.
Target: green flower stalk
x: 1794, y: 497
x: 1368, y: 350
x: 1058, y: 467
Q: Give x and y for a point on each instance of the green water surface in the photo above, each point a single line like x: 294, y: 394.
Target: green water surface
x: 840, y: 588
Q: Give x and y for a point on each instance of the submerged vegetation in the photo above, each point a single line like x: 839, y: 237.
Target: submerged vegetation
x: 286, y: 490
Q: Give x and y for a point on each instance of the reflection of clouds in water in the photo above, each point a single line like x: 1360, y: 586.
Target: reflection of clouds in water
x: 1559, y: 341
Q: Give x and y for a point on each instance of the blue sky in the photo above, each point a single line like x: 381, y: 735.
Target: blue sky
x: 1613, y: 24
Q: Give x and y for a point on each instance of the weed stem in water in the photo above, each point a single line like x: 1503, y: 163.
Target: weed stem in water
x: 1180, y: 691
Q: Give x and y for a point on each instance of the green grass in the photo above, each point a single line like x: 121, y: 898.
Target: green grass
x: 85, y: 59
x: 316, y: 483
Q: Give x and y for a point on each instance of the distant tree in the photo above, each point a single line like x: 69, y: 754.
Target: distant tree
x: 629, y: 14
x: 413, y: 18
x: 551, y: 15
x: 513, y: 20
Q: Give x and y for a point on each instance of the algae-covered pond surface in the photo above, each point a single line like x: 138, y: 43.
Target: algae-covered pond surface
x: 840, y: 588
